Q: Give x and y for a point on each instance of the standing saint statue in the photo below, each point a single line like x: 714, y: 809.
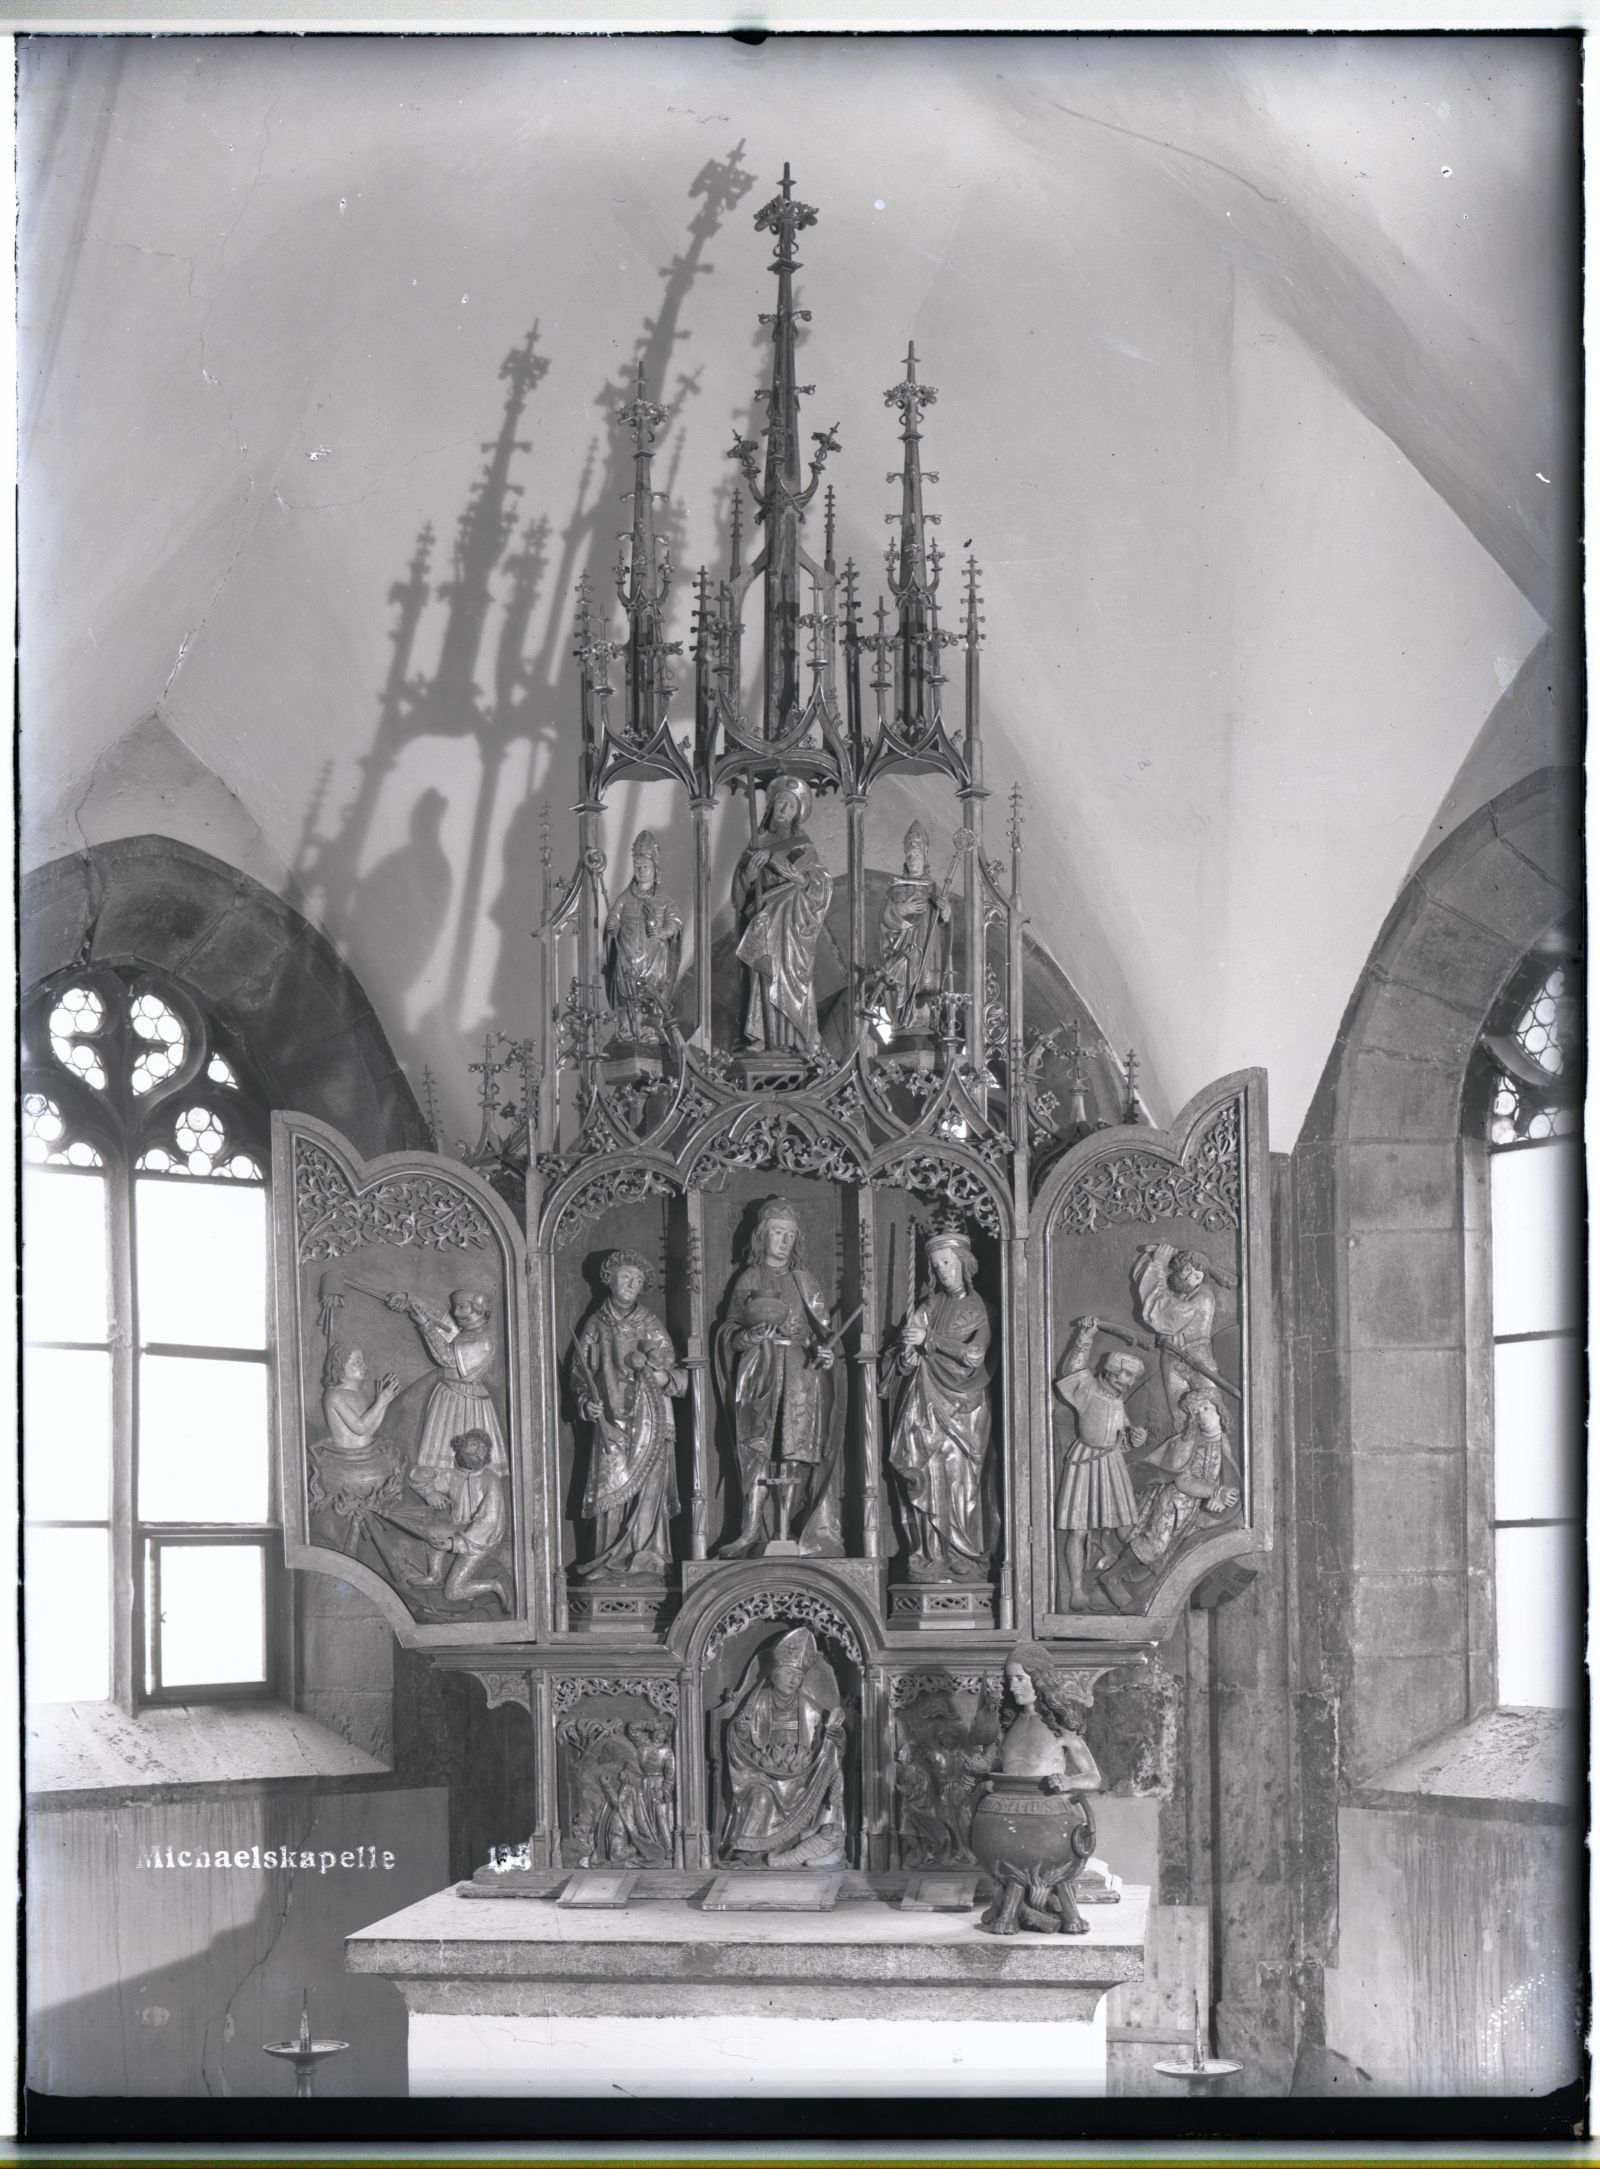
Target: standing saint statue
x: 773, y: 1355
x: 463, y: 1348
x: 783, y: 1756
x: 623, y: 1369
x: 940, y: 1441
x: 910, y: 962
x: 781, y: 894
x: 643, y: 945
x: 1095, y: 1493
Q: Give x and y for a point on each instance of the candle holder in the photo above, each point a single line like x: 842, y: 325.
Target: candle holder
x: 304, y: 2052
x: 1202, y: 2069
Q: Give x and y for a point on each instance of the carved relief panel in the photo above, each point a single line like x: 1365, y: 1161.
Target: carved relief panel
x: 946, y: 1733
x: 401, y: 1351
x: 1152, y: 1381
x: 617, y: 1771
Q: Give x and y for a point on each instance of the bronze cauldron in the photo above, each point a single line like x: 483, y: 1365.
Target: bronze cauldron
x: 1032, y: 1842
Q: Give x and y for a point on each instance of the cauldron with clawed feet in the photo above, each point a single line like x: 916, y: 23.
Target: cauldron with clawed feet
x: 1032, y: 1829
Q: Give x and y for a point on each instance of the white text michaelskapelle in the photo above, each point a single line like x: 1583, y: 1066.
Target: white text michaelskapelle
x: 274, y: 1857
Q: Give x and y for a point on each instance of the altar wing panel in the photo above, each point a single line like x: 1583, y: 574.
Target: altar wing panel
x: 1151, y: 1360
x: 403, y: 1369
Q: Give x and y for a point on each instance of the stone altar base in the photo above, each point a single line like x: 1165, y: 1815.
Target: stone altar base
x: 662, y: 1998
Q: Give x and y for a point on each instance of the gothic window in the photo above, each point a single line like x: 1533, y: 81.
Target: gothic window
x: 1529, y: 1097
x: 149, y: 1513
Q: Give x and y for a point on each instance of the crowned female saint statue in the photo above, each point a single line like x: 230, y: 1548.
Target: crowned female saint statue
x: 939, y: 1447
x: 781, y: 894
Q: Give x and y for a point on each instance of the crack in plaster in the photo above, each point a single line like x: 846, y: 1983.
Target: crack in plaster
x: 87, y: 848
x: 245, y: 1979
x: 1551, y: 880
x: 1160, y: 143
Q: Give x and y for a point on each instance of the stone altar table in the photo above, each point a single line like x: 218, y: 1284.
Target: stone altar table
x: 662, y: 1998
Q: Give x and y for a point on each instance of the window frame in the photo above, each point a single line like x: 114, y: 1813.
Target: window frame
x: 1560, y: 949
x: 122, y: 1126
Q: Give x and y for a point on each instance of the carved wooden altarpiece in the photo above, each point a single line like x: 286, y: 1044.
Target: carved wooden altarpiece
x: 744, y: 1501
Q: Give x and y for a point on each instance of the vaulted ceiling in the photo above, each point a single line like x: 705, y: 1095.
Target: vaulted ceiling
x: 1255, y: 362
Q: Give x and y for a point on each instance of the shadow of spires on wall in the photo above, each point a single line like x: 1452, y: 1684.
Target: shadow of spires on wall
x: 445, y: 702
x: 485, y: 686
x: 588, y: 548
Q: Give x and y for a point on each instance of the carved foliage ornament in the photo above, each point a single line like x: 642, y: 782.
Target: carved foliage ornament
x: 776, y: 1139
x: 1205, y: 1186
x: 656, y: 1688
x: 1077, y: 1683
x: 618, y: 1186
x: 930, y: 1174
x: 790, y: 1607
x: 502, y: 1687
x: 332, y: 1217
x: 911, y: 1686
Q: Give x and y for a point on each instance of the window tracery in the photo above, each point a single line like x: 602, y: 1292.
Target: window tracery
x: 1528, y: 1101
x: 146, y: 1451
x: 1536, y: 1084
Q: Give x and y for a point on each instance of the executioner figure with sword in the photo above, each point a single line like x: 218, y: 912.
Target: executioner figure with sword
x: 1180, y: 1294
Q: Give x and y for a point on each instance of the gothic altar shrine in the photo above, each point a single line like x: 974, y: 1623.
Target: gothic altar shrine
x: 803, y: 1339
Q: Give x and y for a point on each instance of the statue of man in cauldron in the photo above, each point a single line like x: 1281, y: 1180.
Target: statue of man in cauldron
x: 1032, y: 1829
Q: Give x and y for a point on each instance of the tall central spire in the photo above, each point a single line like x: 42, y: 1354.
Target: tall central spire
x: 782, y: 496
x: 784, y: 218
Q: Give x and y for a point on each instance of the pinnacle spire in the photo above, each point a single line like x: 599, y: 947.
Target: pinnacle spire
x: 913, y: 565
x: 644, y: 574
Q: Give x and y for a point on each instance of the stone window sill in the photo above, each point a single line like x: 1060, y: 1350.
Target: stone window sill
x: 1509, y: 1765
x: 95, y: 1747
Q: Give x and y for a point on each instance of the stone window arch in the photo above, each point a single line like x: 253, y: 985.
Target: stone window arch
x: 169, y: 1003
x: 1390, y: 1318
